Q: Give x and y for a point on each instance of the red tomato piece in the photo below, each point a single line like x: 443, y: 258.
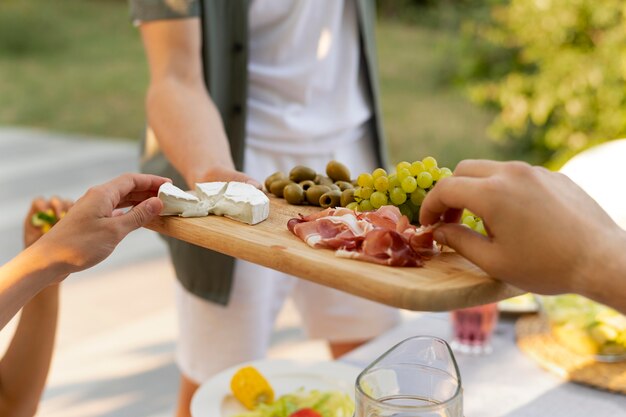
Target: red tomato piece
x: 306, y: 412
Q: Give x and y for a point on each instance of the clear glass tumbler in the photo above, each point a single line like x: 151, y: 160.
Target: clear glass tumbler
x: 418, y: 377
x: 473, y: 328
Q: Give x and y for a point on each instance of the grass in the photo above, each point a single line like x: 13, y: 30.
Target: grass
x: 78, y: 66
x: 90, y: 79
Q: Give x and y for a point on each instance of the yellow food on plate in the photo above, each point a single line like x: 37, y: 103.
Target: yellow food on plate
x: 251, y: 388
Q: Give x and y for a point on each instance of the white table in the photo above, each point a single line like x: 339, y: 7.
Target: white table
x: 505, y: 383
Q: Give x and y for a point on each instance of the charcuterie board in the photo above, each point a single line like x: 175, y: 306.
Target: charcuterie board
x: 446, y: 282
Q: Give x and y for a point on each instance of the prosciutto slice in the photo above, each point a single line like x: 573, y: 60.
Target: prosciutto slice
x: 383, y: 236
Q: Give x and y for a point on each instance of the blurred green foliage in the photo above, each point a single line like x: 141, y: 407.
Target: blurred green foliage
x: 41, y: 37
x: 554, y: 69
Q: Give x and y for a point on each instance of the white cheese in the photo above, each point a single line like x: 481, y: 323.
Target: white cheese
x: 177, y: 202
x: 243, y: 202
x: 211, y: 192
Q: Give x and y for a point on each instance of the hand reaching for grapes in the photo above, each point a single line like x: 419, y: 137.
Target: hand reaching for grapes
x: 545, y: 234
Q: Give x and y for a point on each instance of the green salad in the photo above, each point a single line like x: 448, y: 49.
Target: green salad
x: 585, y: 326
x: 326, y: 403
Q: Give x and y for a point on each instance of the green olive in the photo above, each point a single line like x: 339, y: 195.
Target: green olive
x: 307, y: 184
x: 278, y: 186
x: 337, y: 171
x: 323, y: 180
x: 275, y: 176
x: 293, y: 193
x: 314, y: 193
x: 347, y: 197
x: 330, y: 199
x: 334, y: 187
x: 301, y: 173
x: 343, y: 185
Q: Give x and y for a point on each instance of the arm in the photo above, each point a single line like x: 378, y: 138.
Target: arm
x: 546, y: 235
x: 185, y: 120
x: 26, y: 362
x: 84, y: 237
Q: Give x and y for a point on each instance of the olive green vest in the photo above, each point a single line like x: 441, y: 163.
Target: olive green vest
x: 205, y: 273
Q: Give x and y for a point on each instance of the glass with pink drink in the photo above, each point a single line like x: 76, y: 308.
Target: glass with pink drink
x: 473, y: 327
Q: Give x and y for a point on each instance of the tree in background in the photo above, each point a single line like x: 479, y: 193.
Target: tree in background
x: 555, y: 70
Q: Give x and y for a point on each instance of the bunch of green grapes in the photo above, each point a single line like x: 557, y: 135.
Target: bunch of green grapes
x: 474, y: 222
x: 405, y: 188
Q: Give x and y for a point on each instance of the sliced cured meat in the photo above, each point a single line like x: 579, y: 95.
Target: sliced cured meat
x: 384, y: 236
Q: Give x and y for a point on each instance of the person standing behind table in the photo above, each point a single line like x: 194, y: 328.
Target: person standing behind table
x: 238, y: 90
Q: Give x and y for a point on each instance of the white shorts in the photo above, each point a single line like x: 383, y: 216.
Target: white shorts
x: 214, y: 337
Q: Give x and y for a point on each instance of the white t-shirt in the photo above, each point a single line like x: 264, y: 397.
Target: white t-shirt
x: 306, y: 91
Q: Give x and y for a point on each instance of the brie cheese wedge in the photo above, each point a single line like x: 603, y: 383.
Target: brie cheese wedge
x: 242, y: 202
x: 235, y: 200
x: 211, y: 192
x: 177, y: 202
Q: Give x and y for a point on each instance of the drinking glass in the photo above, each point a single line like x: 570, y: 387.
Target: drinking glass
x: 473, y: 327
x: 418, y: 377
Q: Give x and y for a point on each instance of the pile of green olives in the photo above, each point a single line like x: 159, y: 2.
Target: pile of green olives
x: 305, y: 186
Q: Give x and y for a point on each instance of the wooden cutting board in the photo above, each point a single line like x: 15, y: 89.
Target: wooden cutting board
x: 447, y: 282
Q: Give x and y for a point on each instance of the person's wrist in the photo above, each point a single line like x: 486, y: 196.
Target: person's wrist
x: 51, y: 259
x: 604, y: 267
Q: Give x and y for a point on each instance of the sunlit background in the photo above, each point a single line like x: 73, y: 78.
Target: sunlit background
x: 536, y: 80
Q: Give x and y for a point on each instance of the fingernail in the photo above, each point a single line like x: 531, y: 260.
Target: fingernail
x: 439, y: 236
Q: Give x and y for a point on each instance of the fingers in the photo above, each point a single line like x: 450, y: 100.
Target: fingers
x: 454, y: 193
x: 123, y: 185
x: 134, y: 198
x: 480, y: 168
x: 38, y: 204
x: 472, y: 245
x: 241, y: 177
x: 140, y: 215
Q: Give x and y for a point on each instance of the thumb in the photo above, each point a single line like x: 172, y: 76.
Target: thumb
x: 241, y: 177
x: 141, y: 214
x: 465, y: 241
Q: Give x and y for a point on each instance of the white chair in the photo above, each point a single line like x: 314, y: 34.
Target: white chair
x: 601, y: 172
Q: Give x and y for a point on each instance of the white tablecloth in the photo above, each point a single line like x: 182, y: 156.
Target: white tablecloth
x: 505, y: 383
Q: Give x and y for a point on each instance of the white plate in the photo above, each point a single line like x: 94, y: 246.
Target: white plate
x: 214, y: 399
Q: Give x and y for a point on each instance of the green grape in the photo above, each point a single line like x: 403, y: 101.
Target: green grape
x: 365, y: 205
x: 414, y: 208
x: 379, y: 172
x: 353, y: 206
x: 424, y: 180
x: 416, y: 168
x: 406, y: 211
x: 378, y: 199
x: 470, y: 221
x: 409, y: 184
x: 393, y: 181
x: 445, y: 173
x: 365, y: 180
x: 397, y: 196
x: 466, y: 213
x: 480, y: 228
x: 402, y: 165
x: 429, y: 162
x: 418, y: 196
x: 381, y: 183
x: 366, y: 192
x: 435, y: 172
x: 357, y: 194
x: 403, y: 173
